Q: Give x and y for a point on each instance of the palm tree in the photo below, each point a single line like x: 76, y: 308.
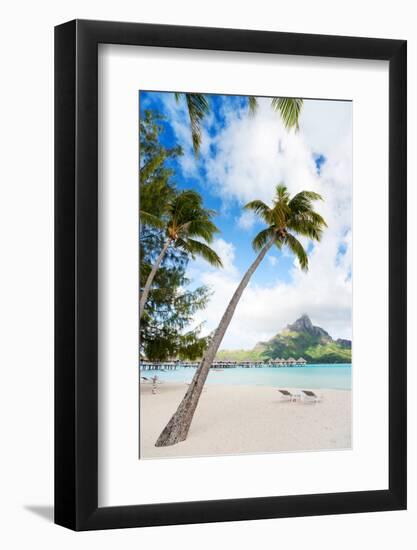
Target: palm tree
x: 198, y: 107
x: 187, y: 221
x: 285, y: 218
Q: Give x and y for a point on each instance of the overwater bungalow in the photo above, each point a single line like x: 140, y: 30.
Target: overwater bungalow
x: 173, y: 364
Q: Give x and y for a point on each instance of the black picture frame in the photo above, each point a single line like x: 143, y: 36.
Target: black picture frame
x: 76, y: 272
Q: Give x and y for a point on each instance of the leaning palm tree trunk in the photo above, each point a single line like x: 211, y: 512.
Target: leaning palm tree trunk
x: 151, y: 276
x: 177, y: 428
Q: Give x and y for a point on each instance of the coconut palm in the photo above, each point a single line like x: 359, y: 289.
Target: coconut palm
x: 284, y: 219
x: 187, y: 221
x: 198, y: 107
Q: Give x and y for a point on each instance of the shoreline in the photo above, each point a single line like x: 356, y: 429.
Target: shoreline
x: 245, y: 419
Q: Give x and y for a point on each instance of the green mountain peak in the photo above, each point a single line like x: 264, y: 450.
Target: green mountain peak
x: 299, y: 339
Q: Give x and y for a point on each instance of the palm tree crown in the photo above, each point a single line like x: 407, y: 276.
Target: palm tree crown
x: 188, y: 221
x: 185, y: 221
x: 288, y: 215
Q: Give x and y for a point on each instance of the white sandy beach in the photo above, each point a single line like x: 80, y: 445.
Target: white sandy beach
x: 232, y: 419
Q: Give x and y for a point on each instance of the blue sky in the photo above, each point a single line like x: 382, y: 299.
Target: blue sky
x: 242, y: 158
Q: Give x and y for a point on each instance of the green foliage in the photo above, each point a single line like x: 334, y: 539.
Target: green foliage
x: 239, y: 355
x: 328, y: 353
x: 171, y: 306
x: 187, y: 222
x: 155, y: 186
x: 289, y: 108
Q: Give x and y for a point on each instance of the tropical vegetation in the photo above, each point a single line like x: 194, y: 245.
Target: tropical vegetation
x: 167, y: 214
x: 184, y: 221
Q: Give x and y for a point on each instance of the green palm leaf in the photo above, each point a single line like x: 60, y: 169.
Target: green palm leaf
x: 297, y: 249
x: 253, y: 105
x: 261, y: 209
x: 202, y: 227
x: 263, y: 237
x: 282, y: 194
x: 289, y: 108
x: 197, y: 248
x: 150, y: 219
x: 198, y: 108
x: 309, y: 225
x: 303, y: 201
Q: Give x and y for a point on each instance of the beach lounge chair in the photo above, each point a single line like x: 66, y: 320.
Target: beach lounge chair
x: 286, y: 395
x: 309, y: 396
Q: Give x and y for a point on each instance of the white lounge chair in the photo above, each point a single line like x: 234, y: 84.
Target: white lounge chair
x: 309, y: 396
x: 286, y: 395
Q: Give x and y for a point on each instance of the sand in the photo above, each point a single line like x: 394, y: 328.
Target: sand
x: 246, y: 419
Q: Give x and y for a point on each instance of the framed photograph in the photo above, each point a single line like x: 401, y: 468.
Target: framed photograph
x: 230, y: 244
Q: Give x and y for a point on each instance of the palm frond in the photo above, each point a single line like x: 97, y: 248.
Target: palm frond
x: 289, y: 108
x: 198, y: 107
x: 202, y: 227
x: 197, y: 248
x: 305, y: 197
x: 260, y: 209
x: 282, y: 193
x: 302, y: 203
x: 182, y: 204
x: 309, y: 224
x: 253, y: 105
x: 280, y: 213
x: 311, y: 195
x: 297, y: 248
x: 306, y: 229
x: 263, y: 237
x: 147, y: 218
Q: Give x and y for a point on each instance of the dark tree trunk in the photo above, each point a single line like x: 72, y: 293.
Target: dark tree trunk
x: 177, y: 428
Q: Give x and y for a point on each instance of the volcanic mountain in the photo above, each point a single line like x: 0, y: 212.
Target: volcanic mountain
x: 299, y: 339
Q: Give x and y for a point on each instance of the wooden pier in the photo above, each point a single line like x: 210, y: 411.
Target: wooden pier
x: 221, y: 365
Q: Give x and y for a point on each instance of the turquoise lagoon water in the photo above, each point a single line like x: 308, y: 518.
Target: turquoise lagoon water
x: 337, y: 377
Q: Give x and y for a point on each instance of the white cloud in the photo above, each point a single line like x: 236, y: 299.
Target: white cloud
x: 226, y: 251
x: 246, y: 220
x: 324, y: 293
x: 273, y: 260
x: 198, y: 268
x: 254, y: 154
